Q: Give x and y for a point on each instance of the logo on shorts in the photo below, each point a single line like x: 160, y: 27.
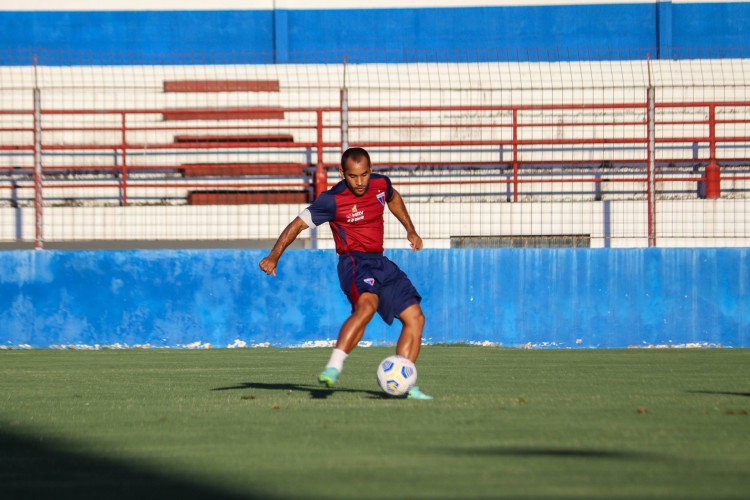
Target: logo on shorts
x: 369, y: 281
x: 381, y: 198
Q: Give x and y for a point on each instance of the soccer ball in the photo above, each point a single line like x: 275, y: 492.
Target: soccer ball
x: 396, y: 375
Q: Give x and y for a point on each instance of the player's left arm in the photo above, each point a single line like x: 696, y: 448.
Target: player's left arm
x: 398, y: 208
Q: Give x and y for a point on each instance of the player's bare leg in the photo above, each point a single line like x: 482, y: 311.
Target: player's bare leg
x: 350, y: 334
x: 411, y: 340
x: 353, y: 329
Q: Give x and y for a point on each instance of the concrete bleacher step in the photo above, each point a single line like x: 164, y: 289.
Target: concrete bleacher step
x: 222, y: 86
x: 236, y: 197
x: 229, y: 196
x: 214, y: 86
x: 224, y: 114
x: 245, y: 139
x: 242, y: 169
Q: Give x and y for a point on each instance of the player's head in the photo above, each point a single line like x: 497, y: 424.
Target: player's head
x: 356, y: 169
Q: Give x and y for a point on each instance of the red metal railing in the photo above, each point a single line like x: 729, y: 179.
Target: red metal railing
x: 526, y: 134
x: 221, y: 137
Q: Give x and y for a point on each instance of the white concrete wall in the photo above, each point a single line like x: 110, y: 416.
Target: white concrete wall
x: 615, y: 224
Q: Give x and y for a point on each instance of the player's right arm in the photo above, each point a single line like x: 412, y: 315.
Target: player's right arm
x: 287, y: 236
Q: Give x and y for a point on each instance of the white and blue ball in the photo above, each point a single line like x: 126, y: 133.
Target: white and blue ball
x: 396, y: 375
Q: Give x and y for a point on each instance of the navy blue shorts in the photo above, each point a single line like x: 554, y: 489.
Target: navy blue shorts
x: 373, y: 272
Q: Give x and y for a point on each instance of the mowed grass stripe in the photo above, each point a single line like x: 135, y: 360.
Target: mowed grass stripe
x: 253, y: 423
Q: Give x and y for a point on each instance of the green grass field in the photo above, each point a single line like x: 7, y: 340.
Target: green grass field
x: 253, y: 423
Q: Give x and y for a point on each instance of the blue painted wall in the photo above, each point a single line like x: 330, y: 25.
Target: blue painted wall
x: 604, y: 298
x: 507, y: 32
x: 714, y: 25
x: 535, y: 32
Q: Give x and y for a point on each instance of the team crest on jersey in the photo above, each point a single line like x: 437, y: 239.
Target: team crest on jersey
x: 381, y: 198
x: 369, y: 281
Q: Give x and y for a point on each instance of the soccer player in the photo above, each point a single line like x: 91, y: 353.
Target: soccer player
x: 354, y: 210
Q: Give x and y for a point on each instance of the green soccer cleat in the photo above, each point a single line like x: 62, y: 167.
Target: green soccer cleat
x: 329, y: 376
x: 415, y: 393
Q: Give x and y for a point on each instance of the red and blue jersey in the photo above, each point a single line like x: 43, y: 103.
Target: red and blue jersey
x: 356, y: 221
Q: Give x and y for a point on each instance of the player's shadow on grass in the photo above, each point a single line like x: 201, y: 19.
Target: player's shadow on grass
x: 515, y: 451
x: 316, y: 392
x: 723, y: 393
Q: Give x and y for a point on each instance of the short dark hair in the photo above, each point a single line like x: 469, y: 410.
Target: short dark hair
x: 356, y: 155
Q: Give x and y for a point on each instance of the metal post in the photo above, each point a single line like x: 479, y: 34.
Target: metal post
x: 515, y: 154
x: 344, y: 120
x: 651, y: 154
x: 344, y: 113
x: 713, y: 172
x: 321, y: 177
x: 38, y: 185
x: 124, y: 173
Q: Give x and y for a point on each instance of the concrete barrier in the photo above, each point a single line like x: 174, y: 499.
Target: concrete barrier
x: 511, y: 297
